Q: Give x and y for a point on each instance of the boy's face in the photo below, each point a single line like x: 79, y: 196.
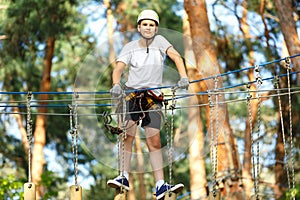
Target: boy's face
x: 147, y: 28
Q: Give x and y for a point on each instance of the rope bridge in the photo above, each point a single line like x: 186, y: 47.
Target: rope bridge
x: 76, y: 99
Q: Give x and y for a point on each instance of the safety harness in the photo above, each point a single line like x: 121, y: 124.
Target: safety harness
x: 141, y: 101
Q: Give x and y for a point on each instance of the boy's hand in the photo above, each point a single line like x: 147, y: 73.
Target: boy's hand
x: 183, y: 83
x: 116, y: 90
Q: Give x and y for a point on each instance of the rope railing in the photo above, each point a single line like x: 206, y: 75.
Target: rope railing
x: 178, y: 96
x: 176, y: 108
x: 169, y: 86
x: 65, y: 102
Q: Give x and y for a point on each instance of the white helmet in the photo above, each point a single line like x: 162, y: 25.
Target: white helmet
x: 148, y: 14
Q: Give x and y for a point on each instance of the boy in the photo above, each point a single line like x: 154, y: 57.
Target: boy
x: 145, y: 58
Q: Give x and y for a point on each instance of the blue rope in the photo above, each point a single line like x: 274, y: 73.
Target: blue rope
x: 167, y: 86
x: 54, y: 105
x: 233, y: 86
x: 109, y: 105
x: 264, y: 79
x: 65, y: 93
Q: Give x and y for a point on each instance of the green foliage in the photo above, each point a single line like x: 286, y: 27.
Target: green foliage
x: 292, y: 194
x: 23, y: 51
x: 180, y: 171
x: 166, y: 11
x: 28, y: 23
x: 295, y: 193
x: 53, y: 184
x: 11, y: 188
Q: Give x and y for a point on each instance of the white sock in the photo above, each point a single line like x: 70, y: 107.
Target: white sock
x: 126, y: 174
x: 159, y: 183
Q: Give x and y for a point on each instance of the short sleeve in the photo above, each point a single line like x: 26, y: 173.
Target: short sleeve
x: 163, y: 43
x: 125, y: 54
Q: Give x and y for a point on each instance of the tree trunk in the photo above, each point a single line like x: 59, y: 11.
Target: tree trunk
x: 124, y: 19
x: 281, y: 179
x: 196, y: 151
x: 207, y: 65
x: 110, y: 32
x: 204, y: 50
x: 280, y: 172
x: 198, y: 183
x: 244, y: 27
x: 22, y: 129
x: 131, y: 192
x: 288, y: 26
x: 38, y: 159
x: 247, y: 166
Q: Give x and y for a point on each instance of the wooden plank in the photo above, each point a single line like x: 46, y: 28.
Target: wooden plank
x: 29, y: 191
x: 120, y: 194
x: 75, y: 192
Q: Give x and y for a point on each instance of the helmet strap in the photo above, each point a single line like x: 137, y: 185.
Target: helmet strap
x: 147, y: 40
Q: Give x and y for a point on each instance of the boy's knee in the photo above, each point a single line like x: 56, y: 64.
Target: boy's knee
x: 153, y: 145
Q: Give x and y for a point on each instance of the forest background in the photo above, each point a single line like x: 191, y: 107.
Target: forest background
x: 246, y: 147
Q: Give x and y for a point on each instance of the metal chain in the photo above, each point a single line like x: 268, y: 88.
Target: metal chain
x: 216, y: 132
x: 287, y: 60
x: 119, y: 120
x: 167, y: 126
x: 170, y: 136
x: 29, y: 132
x: 259, y: 83
x: 283, y: 132
x: 123, y: 135
x: 252, y: 136
x: 74, y: 136
x: 217, y: 121
x: 72, y: 131
x: 212, y: 143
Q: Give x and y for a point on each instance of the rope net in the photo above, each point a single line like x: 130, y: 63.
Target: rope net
x: 87, y: 103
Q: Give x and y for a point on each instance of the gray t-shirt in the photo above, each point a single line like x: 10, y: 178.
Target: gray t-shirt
x: 145, y: 69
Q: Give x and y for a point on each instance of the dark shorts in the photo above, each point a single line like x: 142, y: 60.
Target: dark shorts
x: 144, y: 107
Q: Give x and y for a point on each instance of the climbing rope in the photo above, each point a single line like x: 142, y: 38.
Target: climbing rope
x: 107, y: 120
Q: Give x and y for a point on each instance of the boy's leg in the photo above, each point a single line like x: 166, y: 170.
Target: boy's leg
x: 152, y: 131
x: 130, y: 135
x: 124, y: 161
x: 154, y: 146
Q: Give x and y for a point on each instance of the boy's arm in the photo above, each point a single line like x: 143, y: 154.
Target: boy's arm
x: 117, y: 72
x: 175, y: 56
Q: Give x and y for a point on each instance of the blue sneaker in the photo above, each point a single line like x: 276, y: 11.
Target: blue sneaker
x: 160, y: 192
x: 120, y: 181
